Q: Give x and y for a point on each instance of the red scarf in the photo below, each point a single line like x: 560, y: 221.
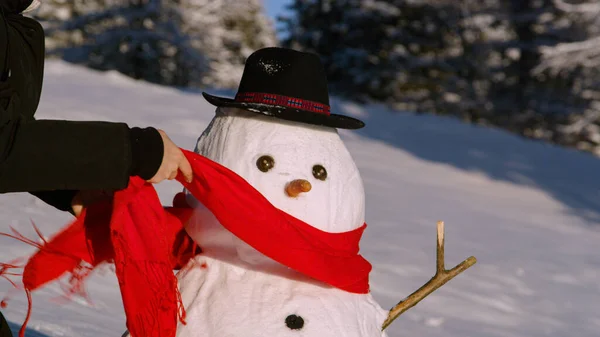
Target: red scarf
x: 146, y: 241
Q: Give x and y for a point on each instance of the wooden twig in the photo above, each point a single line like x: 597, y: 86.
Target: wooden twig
x: 442, y: 275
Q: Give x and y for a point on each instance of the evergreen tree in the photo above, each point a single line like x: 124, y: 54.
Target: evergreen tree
x: 527, y: 101
x: 226, y: 32
x: 525, y: 65
x: 172, y: 42
x: 139, y: 38
x: 53, y: 13
x: 409, y: 54
x: 577, y: 57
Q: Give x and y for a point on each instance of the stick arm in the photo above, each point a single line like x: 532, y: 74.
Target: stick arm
x: 442, y: 275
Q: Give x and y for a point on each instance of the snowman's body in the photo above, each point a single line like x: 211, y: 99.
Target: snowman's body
x: 231, y: 289
x: 228, y: 300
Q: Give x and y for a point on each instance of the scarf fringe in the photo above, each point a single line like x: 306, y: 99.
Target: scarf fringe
x: 80, y: 273
x: 76, y: 280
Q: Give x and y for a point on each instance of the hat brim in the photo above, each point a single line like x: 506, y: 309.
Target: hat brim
x: 291, y: 114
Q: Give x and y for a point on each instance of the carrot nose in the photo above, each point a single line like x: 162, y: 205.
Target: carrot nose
x: 295, y: 187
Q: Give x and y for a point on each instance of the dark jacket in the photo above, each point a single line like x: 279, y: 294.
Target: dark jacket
x: 53, y: 159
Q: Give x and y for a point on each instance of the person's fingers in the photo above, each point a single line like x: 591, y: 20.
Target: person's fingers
x: 77, y: 204
x: 77, y: 209
x: 173, y: 174
x: 158, y: 177
x: 186, y: 169
x: 85, y: 198
x: 174, y: 161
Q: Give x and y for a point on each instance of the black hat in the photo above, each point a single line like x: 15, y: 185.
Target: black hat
x: 286, y: 84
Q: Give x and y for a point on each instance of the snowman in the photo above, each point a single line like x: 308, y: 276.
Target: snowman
x: 282, y: 141
x: 303, y: 275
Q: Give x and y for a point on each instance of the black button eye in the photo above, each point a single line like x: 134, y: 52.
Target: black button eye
x: 294, y: 322
x: 265, y: 163
x: 319, y: 172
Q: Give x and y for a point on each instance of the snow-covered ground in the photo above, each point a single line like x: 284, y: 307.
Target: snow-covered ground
x: 530, y: 213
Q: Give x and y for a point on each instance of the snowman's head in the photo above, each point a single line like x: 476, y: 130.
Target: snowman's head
x: 302, y: 169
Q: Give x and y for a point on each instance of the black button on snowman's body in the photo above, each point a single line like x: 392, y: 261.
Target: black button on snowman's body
x: 294, y: 322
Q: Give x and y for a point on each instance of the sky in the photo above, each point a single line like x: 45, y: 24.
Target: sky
x: 274, y: 8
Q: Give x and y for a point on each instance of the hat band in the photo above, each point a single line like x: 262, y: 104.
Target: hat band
x: 286, y: 101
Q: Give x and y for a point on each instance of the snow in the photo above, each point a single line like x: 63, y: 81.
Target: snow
x: 270, y: 67
x: 529, y: 211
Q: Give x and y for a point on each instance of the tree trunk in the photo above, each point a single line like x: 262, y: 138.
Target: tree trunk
x: 523, y: 20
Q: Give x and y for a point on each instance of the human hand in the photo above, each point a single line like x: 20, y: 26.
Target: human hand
x: 87, y: 197
x: 173, y: 161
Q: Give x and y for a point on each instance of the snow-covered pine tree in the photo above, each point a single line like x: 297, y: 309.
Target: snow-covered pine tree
x: 482, y: 50
x: 53, y: 13
x: 526, y: 101
x: 226, y: 32
x: 583, y: 48
x: 527, y: 97
x: 173, y: 42
x: 578, y: 57
x: 139, y: 38
x: 415, y: 55
x: 529, y: 66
